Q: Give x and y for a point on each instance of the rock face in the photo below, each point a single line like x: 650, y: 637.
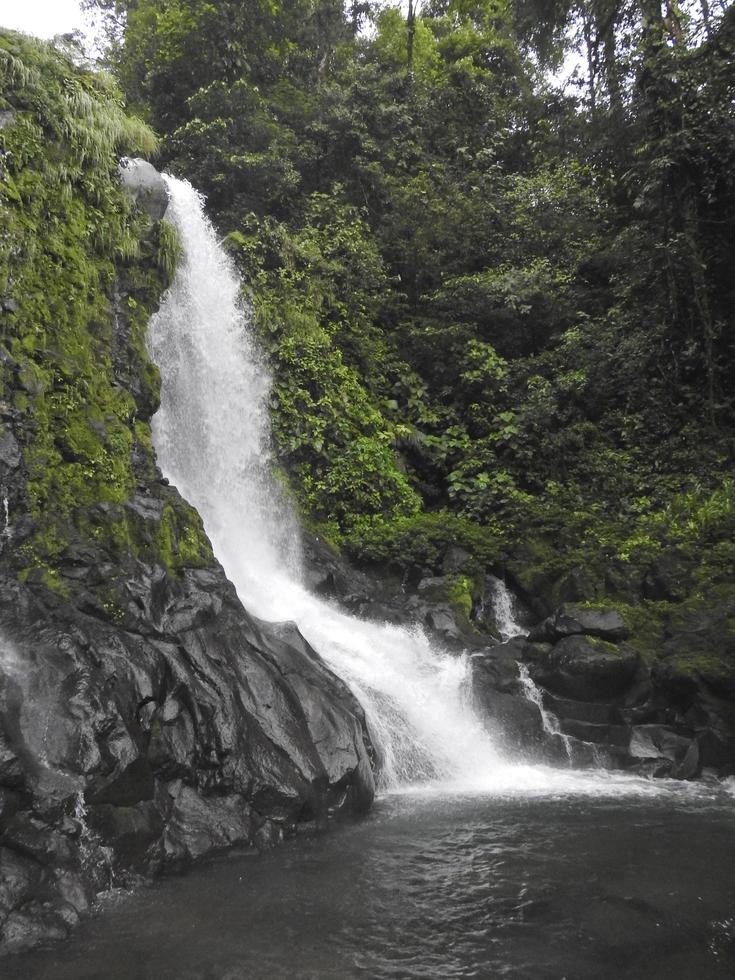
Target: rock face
x: 500, y: 698
x: 573, y: 620
x: 191, y: 728
x: 145, y: 185
x: 585, y: 668
x: 603, y: 705
x: 145, y: 718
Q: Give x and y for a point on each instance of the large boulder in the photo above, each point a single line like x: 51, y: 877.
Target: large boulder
x: 501, y: 699
x: 145, y: 185
x: 668, y: 578
x: 583, y: 668
x: 325, y: 572
x: 575, y: 620
x: 184, y: 727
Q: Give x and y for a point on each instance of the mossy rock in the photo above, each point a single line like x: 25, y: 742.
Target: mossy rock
x: 586, y: 668
x: 81, y: 270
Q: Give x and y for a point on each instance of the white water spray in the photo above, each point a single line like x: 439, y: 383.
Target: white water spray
x: 6, y: 532
x: 212, y: 440
x: 548, y: 719
x: 504, y: 613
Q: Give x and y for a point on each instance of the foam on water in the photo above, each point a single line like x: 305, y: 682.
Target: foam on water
x: 212, y: 439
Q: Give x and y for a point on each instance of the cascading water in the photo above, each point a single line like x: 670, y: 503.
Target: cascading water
x: 212, y: 440
x: 211, y: 436
x: 548, y: 719
x: 504, y: 612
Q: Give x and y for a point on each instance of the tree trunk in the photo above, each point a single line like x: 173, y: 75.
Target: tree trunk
x: 410, y: 32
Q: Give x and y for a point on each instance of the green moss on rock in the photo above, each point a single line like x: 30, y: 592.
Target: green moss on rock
x: 81, y: 270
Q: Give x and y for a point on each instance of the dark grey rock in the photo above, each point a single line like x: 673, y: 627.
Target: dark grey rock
x: 326, y: 572
x: 500, y: 699
x: 586, y: 669
x: 658, y: 742
x: 456, y: 559
x: 145, y: 185
x: 669, y: 578
x: 609, y: 735
x: 191, y: 728
x: 9, y: 453
x: 572, y: 620
x: 592, y: 712
x: 441, y: 620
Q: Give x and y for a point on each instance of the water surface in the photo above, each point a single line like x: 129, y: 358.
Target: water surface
x: 531, y: 888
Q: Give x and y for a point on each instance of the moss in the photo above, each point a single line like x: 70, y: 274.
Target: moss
x: 180, y: 541
x: 85, y: 270
x: 45, y: 575
x: 604, y: 646
x: 169, y: 249
x: 460, y: 594
x: 715, y: 669
x: 422, y: 540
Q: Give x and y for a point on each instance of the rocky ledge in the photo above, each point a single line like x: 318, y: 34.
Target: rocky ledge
x: 578, y: 691
x: 129, y: 749
x: 582, y: 688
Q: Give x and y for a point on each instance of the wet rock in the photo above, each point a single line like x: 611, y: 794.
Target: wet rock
x: 145, y: 185
x: 337, y: 726
x: 327, y: 573
x: 668, y: 578
x: 268, y: 835
x: 592, y: 712
x: 456, y: 560
x: 199, y: 824
x: 500, y: 699
x: 17, y: 879
x: 660, y: 742
x: 586, y: 669
x: 22, y: 930
x: 441, y: 620
x: 9, y: 453
x: 152, y: 744
x: 136, y: 830
x: 610, y: 735
x: 572, y: 620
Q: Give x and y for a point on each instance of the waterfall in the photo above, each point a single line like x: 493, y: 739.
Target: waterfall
x: 212, y: 440
x: 504, y: 613
x: 549, y: 720
x: 211, y: 435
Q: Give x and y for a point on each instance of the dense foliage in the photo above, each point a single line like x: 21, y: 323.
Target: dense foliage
x: 80, y: 273
x: 485, y: 301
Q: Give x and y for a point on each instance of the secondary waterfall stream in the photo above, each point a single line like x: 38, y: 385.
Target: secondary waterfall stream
x: 212, y: 440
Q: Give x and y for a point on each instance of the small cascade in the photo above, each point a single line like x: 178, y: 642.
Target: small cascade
x: 504, y: 613
x: 5, y: 532
x: 96, y: 859
x: 548, y: 719
x: 578, y: 752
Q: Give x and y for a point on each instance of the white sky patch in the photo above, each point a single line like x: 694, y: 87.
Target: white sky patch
x: 44, y: 18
